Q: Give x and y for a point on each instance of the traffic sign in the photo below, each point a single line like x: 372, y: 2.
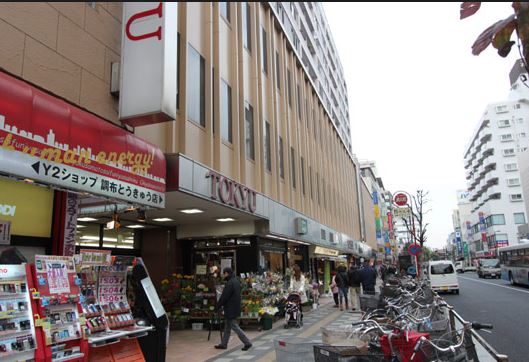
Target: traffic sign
x: 414, y: 249
x: 400, y: 199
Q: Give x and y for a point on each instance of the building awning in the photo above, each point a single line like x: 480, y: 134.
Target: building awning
x: 46, y: 139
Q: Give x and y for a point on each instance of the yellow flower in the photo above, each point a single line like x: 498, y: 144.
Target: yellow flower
x: 165, y: 281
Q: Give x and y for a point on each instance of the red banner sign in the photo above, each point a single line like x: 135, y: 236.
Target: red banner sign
x: 46, y: 139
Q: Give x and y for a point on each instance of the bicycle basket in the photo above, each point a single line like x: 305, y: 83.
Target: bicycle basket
x: 343, y: 336
x: 370, y: 301
x: 323, y: 353
x: 429, y: 353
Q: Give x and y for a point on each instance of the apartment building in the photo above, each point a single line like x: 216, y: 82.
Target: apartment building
x: 492, y: 172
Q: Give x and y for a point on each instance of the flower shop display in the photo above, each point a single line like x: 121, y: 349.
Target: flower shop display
x: 187, y: 298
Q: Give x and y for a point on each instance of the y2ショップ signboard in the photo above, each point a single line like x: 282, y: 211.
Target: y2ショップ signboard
x: 46, y: 139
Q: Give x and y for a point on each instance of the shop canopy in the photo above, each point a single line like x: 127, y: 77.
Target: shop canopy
x: 46, y: 139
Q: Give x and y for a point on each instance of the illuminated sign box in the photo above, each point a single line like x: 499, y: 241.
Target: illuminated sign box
x: 28, y: 207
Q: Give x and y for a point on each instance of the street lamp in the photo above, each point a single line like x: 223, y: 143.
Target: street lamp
x: 414, y: 239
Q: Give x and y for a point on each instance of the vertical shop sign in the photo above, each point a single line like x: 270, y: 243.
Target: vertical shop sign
x: 459, y: 243
x: 5, y: 232
x: 378, y: 221
x: 483, y: 229
x: 148, y: 87
x: 70, y: 224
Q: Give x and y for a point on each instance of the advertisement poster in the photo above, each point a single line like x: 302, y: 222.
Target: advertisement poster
x: 55, y: 274
x: 57, y: 277
x: 112, y: 285
x: 91, y: 257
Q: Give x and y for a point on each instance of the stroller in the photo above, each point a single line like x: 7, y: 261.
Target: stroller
x: 293, y: 314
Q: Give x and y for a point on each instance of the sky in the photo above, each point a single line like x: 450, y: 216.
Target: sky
x: 416, y: 92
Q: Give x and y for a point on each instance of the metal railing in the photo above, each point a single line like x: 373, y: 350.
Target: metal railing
x: 474, y: 336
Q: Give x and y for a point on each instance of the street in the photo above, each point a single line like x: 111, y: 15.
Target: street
x: 495, y: 301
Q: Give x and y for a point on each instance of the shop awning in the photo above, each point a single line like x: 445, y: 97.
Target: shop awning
x: 48, y: 140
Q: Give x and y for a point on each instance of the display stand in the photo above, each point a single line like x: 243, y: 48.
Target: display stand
x: 18, y: 341
x: 58, y: 308
x: 111, y: 327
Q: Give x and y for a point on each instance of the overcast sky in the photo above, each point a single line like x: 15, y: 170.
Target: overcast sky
x: 416, y: 92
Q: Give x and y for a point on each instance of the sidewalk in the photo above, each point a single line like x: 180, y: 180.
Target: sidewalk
x: 193, y: 346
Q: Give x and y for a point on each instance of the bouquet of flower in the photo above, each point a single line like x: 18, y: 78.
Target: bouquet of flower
x: 268, y: 311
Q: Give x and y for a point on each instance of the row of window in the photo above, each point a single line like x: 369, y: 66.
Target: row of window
x: 499, y: 219
x: 504, y: 108
x: 196, y: 95
x: 518, y: 258
x: 503, y: 123
x: 509, y: 136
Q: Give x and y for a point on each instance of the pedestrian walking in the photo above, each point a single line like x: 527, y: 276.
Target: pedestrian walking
x: 230, y: 301
x: 342, y: 280
x: 368, y: 278
x: 334, y: 289
x: 354, y: 286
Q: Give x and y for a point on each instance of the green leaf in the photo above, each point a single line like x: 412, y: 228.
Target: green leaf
x: 503, y: 35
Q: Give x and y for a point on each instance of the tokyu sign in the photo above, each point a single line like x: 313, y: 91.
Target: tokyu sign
x: 149, y: 63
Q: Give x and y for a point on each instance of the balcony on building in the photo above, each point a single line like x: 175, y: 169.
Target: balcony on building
x: 494, y: 192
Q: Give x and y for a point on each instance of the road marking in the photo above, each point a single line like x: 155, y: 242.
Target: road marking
x: 497, y: 285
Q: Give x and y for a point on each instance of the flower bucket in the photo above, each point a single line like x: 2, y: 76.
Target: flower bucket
x: 267, y: 323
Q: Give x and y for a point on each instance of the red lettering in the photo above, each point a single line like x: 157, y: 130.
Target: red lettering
x: 157, y: 33
x: 214, y: 178
x: 225, y: 190
x: 252, y: 201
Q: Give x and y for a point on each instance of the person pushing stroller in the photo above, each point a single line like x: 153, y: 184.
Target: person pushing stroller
x: 296, y: 297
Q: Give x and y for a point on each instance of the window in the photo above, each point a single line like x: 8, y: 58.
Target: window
x: 331, y: 237
x: 323, y: 236
x: 508, y: 152
x: 519, y: 218
x: 225, y: 112
x: 513, y: 182
x: 299, y: 101
x: 506, y: 137
x: 281, y: 159
x: 303, y: 175
x: 519, y: 121
x: 515, y: 197
x: 196, y: 90
x: 264, y: 51
x: 511, y: 166
x: 289, y: 89
x: 318, y: 186
x: 225, y: 10
x: 246, y: 26
x: 268, y: 158
x: 501, y: 109
x: 517, y: 105
x: 248, y: 116
x: 521, y: 135
x: 293, y: 166
x: 443, y: 268
x: 498, y: 219
x: 310, y: 181
x: 278, y: 74
x: 503, y: 123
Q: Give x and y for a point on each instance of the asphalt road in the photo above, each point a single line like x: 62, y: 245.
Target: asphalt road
x: 495, y: 301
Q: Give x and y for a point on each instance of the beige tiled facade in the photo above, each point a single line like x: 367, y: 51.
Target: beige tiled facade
x: 64, y: 48
x: 67, y: 49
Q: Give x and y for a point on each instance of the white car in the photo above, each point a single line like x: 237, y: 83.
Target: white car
x: 460, y: 268
x: 443, y: 277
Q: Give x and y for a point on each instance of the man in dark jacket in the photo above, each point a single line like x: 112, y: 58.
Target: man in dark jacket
x: 342, y: 281
x: 354, y: 286
x: 230, y: 300
x: 368, y: 278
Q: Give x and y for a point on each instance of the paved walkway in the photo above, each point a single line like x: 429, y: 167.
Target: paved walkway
x: 263, y: 349
x: 193, y: 346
